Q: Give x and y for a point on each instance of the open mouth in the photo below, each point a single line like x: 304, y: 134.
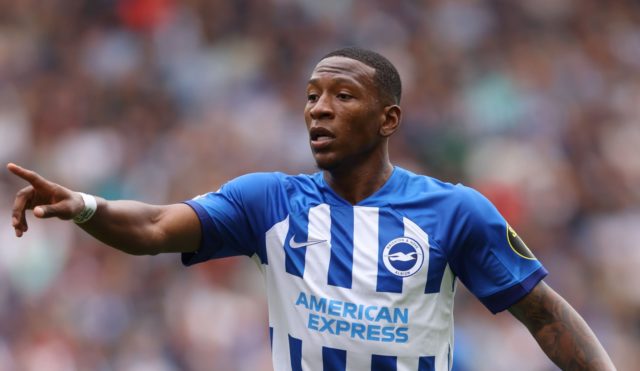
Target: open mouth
x: 320, y: 137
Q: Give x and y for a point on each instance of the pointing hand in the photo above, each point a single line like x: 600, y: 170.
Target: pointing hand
x: 45, y: 198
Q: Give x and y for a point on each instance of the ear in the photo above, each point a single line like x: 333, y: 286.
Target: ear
x: 392, y: 117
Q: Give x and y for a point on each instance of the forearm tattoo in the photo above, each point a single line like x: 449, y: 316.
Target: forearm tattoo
x: 560, y: 331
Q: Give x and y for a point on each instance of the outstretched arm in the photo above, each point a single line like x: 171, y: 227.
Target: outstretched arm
x: 560, y: 331
x: 133, y: 227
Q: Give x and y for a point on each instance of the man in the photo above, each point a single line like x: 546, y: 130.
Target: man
x: 361, y: 259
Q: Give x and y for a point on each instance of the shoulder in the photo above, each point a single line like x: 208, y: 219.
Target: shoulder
x: 255, y: 180
x: 267, y: 181
x: 414, y: 186
x: 451, y: 211
x: 268, y: 186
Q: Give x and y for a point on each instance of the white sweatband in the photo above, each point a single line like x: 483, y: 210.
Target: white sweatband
x: 90, y: 207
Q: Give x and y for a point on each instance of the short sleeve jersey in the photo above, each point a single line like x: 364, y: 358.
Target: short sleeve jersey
x: 367, y: 286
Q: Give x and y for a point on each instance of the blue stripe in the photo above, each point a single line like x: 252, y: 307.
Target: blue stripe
x: 271, y: 338
x: 341, y: 262
x: 427, y: 363
x: 390, y: 227
x: 295, y: 258
x: 334, y: 359
x: 437, y: 264
x: 295, y: 352
x: 384, y: 363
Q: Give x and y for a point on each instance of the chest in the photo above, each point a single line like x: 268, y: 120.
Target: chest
x: 364, y: 249
x: 343, y: 274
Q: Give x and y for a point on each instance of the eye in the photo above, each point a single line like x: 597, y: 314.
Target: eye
x: 344, y: 96
x: 312, y: 97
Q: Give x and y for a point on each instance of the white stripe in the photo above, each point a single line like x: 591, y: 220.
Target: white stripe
x: 280, y: 353
x: 274, y: 239
x: 447, y: 294
x: 277, y: 318
x: 358, y: 361
x: 447, y: 284
x: 365, y: 248
x: 408, y: 363
x: 418, y: 281
x: 316, y: 266
x: 311, y: 356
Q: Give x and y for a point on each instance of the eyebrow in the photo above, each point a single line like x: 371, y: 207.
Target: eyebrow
x: 339, y: 80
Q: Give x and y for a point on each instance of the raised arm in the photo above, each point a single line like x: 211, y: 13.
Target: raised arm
x: 133, y: 227
x: 560, y: 331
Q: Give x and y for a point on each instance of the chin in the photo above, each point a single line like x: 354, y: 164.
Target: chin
x: 326, y: 162
x: 325, y: 166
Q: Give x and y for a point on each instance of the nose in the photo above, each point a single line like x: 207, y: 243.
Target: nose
x: 322, y: 108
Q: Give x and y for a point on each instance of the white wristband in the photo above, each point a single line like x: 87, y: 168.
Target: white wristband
x: 90, y: 207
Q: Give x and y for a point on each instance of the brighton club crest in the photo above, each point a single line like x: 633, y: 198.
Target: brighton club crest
x: 403, y: 256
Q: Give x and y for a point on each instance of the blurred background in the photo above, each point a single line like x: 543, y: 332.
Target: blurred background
x: 536, y: 103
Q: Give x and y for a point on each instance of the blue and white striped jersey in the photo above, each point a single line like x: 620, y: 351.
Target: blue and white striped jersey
x: 367, y: 286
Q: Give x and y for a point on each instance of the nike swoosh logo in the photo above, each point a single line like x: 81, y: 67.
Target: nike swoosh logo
x: 297, y: 245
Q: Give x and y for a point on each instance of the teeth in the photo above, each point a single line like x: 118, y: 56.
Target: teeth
x: 323, y: 137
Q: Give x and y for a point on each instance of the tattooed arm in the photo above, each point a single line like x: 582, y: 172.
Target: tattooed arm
x: 560, y: 331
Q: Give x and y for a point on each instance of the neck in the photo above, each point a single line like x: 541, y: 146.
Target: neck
x: 357, y: 182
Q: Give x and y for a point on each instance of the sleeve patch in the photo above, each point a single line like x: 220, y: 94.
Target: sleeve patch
x: 517, y: 245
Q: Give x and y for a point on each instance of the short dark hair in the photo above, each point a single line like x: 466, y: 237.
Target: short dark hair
x: 386, y: 78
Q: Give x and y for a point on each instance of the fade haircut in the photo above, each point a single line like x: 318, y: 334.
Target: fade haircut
x: 386, y: 77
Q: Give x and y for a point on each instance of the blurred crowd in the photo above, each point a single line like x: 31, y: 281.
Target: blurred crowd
x: 536, y: 103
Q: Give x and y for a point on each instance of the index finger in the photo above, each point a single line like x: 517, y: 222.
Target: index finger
x: 28, y: 175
